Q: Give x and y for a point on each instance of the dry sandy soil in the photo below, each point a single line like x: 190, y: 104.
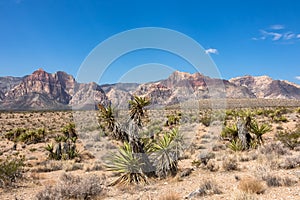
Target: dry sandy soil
x: 227, y: 172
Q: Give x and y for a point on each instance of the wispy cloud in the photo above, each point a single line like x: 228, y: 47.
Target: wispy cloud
x: 211, y: 51
x: 277, y: 27
x: 278, y: 32
x: 298, y: 78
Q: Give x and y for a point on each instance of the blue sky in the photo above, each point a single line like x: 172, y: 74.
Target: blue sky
x: 257, y: 37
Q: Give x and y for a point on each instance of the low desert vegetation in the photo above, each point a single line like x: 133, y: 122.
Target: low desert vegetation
x: 74, y: 187
x: 10, y: 170
x: 147, y: 157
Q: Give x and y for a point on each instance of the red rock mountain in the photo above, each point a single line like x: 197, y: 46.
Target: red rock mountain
x: 42, y: 90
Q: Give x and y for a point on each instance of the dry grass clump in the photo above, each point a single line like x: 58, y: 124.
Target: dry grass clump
x: 212, y: 166
x: 74, y: 187
x: 10, y: 170
x: 48, y: 166
x: 230, y: 164
x: 251, y: 185
x: 170, y: 196
x: 290, y: 162
x: 208, y: 187
x: 277, y: 181
x: 274, y: 147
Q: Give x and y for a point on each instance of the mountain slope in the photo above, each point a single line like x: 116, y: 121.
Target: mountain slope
x: 266, y: 87
x: 42, y: 90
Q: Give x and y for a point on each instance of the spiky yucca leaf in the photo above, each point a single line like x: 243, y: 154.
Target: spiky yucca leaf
x: 259, y: 130
x: 128, y: 165
x: 166, y: 152
x: 236, y: 145
x: 230, y: 131
x: 137, y: 108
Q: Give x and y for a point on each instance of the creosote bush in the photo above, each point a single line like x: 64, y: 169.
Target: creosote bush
x: 74, y: 187
x: 10, y: 170
x: 230, y: 164
x: 251, y: 185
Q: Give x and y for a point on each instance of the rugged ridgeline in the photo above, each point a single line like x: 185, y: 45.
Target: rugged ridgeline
x: 42, y: 90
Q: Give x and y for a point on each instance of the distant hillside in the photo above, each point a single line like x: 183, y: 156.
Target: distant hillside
x: 42, y: 90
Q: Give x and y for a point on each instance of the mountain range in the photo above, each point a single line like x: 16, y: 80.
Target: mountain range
x: 43, y: 90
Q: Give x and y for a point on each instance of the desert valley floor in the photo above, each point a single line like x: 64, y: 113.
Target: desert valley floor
x: 212, y: 167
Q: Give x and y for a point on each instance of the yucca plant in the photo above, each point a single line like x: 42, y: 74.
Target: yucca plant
x: 230, y: 131
x: 69, y: 130
x: 128, y: 164
x: 166, y: 152
x: 259, y: 130
x: 137, y: 108
x: 50, y: 148
x: 236, y: 145
x: 107, y: 116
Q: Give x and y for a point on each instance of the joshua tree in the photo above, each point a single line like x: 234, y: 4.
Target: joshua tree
x: 137, y: 109
x: 108, y: 118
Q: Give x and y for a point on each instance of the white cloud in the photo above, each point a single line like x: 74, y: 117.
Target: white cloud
x: 289, y: 36
x: 211, y: 51
x: 298, y: 78
x: 274, y: 36
x: 277, y: 34
x: 277, y: 27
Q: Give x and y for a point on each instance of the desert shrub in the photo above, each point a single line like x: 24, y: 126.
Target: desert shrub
x: 205, y: 156
x: 290, y: 162
x: 74, y: 187
x: 273, y: 147
x: 212, y: 166
x: 289, y: 139
x: 48, y: 166
x: 280, y: 119
x: 277, y: 181
x: 10, y: 170
x: 26, y: 136
x: 251, y: 185
x: 206, y: 120
x: 173, y: 119
x: 230, y: 164
x: 208, y: 187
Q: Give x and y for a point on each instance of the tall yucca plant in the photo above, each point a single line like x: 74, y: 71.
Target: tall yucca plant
x: 137, y: 108
x: 259, y: 130
x: 107, y: 116
x: 128, y: 165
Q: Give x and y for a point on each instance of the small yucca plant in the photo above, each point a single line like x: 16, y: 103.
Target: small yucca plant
x: 166, y: 152
x: 259, y: 130
x: 236, y: 145
x: 128, y: 164
x: 230, y: 132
